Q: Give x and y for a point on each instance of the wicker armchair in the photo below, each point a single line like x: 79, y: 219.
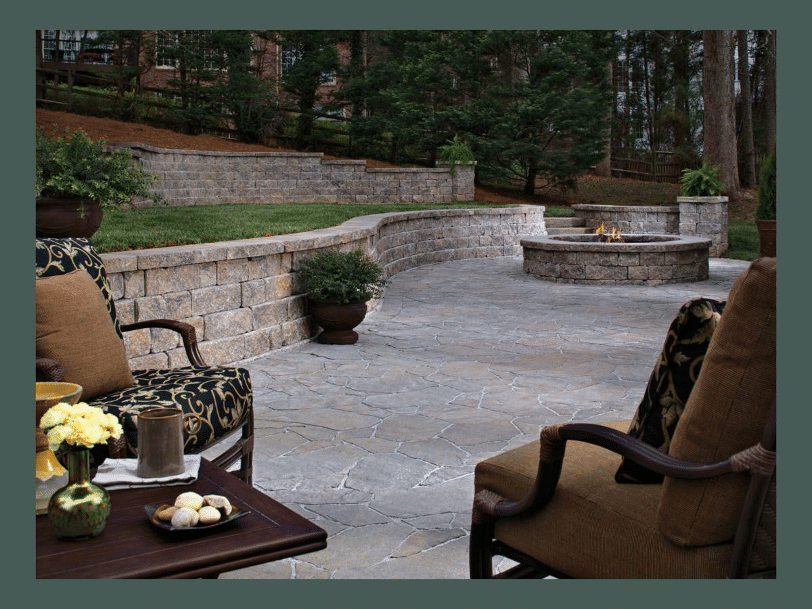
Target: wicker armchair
x: 80, y: 339
x: 559, y: 507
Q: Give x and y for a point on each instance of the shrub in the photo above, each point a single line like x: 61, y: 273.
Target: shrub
x: 343, y: 277
x: 456, y: 151
x: 76, y: 166
x: 702, y: 182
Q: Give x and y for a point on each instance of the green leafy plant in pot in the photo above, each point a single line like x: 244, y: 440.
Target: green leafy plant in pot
x: 338, y: 285
x: 455, y: 152
x: 701, y: 182
x: 76, y: 177
x: 766, y: 209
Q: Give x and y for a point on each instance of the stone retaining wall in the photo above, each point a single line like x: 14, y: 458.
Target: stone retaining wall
x: 192, y: 177
x: 631, y: 218
x: 243, y: 296
x: 700, y: 217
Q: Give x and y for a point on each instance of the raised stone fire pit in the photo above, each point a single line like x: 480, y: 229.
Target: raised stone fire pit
x: 639, y: 259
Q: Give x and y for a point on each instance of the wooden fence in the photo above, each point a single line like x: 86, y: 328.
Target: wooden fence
x: 660, y: 166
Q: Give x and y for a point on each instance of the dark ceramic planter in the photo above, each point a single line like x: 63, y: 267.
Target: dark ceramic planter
x: 67, y: 217
x: 338, y: 320
x: 766, y: 237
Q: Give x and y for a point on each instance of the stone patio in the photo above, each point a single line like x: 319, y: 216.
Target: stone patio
x: 376, y: 442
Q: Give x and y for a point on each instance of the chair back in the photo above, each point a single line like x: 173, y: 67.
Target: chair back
x: 58, y: 255
x: 727, y: 412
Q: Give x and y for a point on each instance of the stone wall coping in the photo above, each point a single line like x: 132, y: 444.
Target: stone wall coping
x: 675, y: 243
x: 216, y: 153
x: 594, y: 207
x: 701, y: 199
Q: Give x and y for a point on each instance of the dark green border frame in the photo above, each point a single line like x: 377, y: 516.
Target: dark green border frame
x: 785, y: 592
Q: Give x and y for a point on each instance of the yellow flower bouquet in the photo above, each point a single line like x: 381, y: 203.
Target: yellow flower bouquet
x: 80, y: 425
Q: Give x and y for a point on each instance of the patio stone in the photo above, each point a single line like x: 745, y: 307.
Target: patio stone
x: 376, y: 442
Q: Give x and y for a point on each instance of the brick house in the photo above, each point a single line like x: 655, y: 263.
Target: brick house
x: 79, y: 49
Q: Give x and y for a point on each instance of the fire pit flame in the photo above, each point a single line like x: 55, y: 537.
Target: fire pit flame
x: 612, y: 235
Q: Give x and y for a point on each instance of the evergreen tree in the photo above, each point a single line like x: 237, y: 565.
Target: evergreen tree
x: 311, y: 57
x: 547, y: 119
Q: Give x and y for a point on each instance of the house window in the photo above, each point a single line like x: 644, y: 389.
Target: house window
x: 70, y: 46
x: 169, y: 45
x: 166, y: 47
x: 290, y: 55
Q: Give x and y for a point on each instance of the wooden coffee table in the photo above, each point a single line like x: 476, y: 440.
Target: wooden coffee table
x: 131, y: 547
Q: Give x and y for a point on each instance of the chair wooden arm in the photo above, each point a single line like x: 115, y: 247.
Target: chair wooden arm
x: 49, y: 369
x: 552, y: 442
x: 186, y: 331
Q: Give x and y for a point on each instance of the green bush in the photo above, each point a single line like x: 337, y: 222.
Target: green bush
x: 455, y: 152
x: 702, y: 182
x: 766, y: 189
x: 343, y: 277
x: 76, y: 166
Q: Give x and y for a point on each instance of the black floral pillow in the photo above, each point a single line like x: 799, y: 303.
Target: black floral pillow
x: 671, y: 383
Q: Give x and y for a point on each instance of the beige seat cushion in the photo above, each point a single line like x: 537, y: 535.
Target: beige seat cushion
x: 593, y: 527
x: 726, y: 412
x: 74, y: 327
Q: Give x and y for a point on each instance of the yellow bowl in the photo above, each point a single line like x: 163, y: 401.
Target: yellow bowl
x: 53, y: 392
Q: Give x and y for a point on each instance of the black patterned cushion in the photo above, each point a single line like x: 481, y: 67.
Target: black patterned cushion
x: 221, y: 397
x: 57, y: 256
x: 671, y: 383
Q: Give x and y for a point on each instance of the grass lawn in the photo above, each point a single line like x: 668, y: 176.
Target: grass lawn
x: 159, y: 226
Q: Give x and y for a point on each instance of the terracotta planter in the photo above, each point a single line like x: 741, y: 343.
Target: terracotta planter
x: 338, y: 320
x: 766, y: 237
x: 67, y: 217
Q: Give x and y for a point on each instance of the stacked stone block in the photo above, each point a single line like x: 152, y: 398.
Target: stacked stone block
x: 631, y: 219
x: 243, y: 297
x: 192, y: 177
x: 705, y: 217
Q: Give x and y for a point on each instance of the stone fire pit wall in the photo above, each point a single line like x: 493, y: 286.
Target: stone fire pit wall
x: 692, y: 216
x: 193, y: 177
x: 243, y: 297
x: 644, y: 259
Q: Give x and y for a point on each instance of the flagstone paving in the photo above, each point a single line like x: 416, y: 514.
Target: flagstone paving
x: 376, y: 442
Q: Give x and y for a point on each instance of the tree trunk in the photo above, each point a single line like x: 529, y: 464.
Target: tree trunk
x: 604, y: 167
x: 683, y: 142
x: 748, y: 152
x: 770, y: 105
x: 719, y: 128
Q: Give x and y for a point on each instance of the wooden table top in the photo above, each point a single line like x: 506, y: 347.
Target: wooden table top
x: 131, y: 547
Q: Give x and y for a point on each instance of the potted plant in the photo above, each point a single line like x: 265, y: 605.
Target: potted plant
x: 338, y: 285
x: 765, y: 212
x: 456, y: 152
x: 76, y: 177
x: 701, y: 182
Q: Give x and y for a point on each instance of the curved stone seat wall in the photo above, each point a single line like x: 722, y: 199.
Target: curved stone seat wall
x: 243, y: 296
x: 194, y: 177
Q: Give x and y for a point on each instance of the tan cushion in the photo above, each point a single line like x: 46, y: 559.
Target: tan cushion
x: 74, y: 327
x: 726, y: 412
x: 593, y: 527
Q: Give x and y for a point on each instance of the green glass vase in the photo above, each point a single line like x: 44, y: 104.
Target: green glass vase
x: 80, y: 508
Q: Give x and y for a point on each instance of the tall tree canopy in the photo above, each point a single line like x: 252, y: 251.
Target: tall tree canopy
x: 532, y: 104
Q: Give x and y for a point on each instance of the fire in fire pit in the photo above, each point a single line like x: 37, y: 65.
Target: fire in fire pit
x: 612, y: 236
